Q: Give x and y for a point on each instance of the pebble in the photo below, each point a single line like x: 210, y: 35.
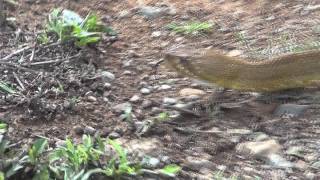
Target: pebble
x: 127, y: 63
x: 190, y: 91
x: 146, y: 104
x: 92, y: 99
x: 150, y: 162
x: 120, y: 108
x: 156, y: 34
x: 107, y: 85
x: 290, y: 110
x: 235, y: 52
x: 145, y: 91
x: 126, y: 73
x: 78, y: 130
x: 135, y: 98
x: 105, y: 132
x: 114, y: 135
x: 106, y: 75
x: 152, y: 12
x: 164, y: 87
x: 278, y: 161
x: 169, y: 101
x: 259, y: 149
x: 89, y: 130
x: 296, y: 151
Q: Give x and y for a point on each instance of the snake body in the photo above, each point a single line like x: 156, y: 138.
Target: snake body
x: 280, y: 73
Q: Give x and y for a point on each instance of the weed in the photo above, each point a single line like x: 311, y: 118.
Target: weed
x: 191, y: 28
x: 70, y: 26
x: 171, y: 169
x: 164, y: 116
x: 6, y: 88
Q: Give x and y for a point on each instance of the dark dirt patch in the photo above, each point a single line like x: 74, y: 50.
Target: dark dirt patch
x: 72, y: 93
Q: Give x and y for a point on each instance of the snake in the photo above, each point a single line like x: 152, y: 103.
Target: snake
x: 288, y: 71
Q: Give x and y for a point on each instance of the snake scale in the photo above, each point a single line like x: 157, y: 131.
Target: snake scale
x: 288, y: 71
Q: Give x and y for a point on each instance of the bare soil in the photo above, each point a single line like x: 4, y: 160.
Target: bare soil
x: 256, y: 28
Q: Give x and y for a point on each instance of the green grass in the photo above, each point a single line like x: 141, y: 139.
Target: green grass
x: 191, y: 28
x: 67, y: 26
x: 72, y: 161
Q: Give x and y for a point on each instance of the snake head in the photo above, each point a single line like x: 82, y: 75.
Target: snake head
x: 180, y: 62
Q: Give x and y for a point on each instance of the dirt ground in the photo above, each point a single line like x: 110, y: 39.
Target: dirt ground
x: 201, y: 144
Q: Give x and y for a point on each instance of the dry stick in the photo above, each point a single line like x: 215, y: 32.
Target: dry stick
x: 15, y: 53
x: 52, y: 61
x: 18, y: 80
x: 19, y: 67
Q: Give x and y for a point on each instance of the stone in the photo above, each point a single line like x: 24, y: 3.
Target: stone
x: 278, y: 161
x: 107, y: 85
x: 146, y: 104
x: 152, y: 12
x: 114, y: 135
x: 312, y: 8
x: 127, y: 63
x: 120, y: 108
x: 89, y: 130
x: 150, y: 162
x: 239, y: 131
x: 290, y: 110
x: 196, y: 163
x: 295, y: 151
x: 78, y: 130
x: 235, y: 53
x: 156, y: 34
x: 92, y: 99
x: 145, y: 91
x: 169, y: 101
x: 190, y: 91
x: 135, y: 98
x: 259, y: 149
x: 164, y: 87
x: 126, y: 73
x: 105, y: 132
x: 192, y: 98
x: 106, y: 75
x: 123, y: 14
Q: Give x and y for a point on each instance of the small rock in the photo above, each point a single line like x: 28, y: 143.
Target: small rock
x: 150, y: 162
x: 146, y: 104
x: 164, y: 87
x: 114, y: 135
x: 301, y: 165
x: 145, y: 91
x: 290, y: 110
x: 151, y: 12
x: 169, y: 101
x: 312, y: 8
x: 78, y: 130
x: 190, y: 91
x: 156, y: 110
x: 105, y: 132
x: 106, y: 75
x: 127, y: 63
x: 184, y: 106
x: 60, y: 143
x: 310, y: 175
x: 259, y: 149
x: 196, y: 164
x: 120, y: 108
x: 278, y: 161
x: 260, y: 136
x: 123, y: 14
x: 239, y: 131
x: 107, y: 85
x: 234, y: 53
x: 156, y: 34
x: 165, y: 159
x: 126, y: 73
x: 135, y: 98
x: 295, y: 151
x: 192, y: 98
x: 92, y: 99
x: 89, y: 130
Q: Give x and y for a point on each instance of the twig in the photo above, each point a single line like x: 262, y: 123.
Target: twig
x: 18, y: 67
x: 18, y: 80
x: 15, y: 53
x: 52, y: 61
